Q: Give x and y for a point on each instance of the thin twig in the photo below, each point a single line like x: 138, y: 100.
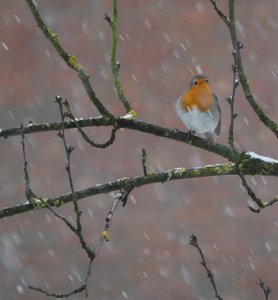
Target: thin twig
x: 252, y: 195
x: 266, y: 289
x: 115, y: 65
x: 68, y: 151
x: 37, y: 202
x: 194, y: 242
x: 77, y: 211
x: 59, y: 295
x: 219, y: 12
x: 120, y: 197
x: 144, y: 160
x: 28, y: 191
x: 86, y: 138
x: 76, y: 230
x: 250, y: 192
x: 231, y: 100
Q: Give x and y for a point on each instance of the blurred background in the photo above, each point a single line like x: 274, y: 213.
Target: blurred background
x: 162, y: 43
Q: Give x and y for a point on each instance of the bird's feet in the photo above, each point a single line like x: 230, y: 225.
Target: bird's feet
x: 210, y: 139
x: 190, y: 134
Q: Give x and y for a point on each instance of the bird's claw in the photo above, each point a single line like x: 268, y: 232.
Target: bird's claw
x: 190, y: 134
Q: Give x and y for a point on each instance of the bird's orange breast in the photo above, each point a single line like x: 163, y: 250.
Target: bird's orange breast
x: 197, y: 96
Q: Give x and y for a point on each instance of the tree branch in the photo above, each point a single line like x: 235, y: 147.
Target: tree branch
x: 70, y: 60
x: 143, y: 161
x: 123, y: 122
x: 194, y: 242
x: 59, y: 295
x: 220, y: 13
x: 85, y: 137
x: 248, y: 166
x: 77, y: 228
x: 261, y: 205
x: 231, y: 25
x: 266, y: 289
x: 231, y: 100
x: 115, y: 65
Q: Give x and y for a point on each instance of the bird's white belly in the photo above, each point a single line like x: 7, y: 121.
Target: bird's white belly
x: 201, y: 122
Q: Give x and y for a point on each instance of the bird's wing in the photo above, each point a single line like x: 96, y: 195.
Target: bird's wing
x: 218, y: 127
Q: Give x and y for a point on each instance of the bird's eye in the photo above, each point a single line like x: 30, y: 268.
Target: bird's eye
x: 195, y: 82
x: 206, y: 81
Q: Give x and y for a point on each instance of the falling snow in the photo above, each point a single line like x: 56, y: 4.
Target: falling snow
x: 147, y: 23
x: 251, y: 263
x: 124, y: 294
x: 240, y: 29
x: 230, y: 211
x: 161, y: 46
x: 134, y: 77
x: 182, y: 45
x: 20, y: 289
x: 5, y: 46
x: 167, y: 37
x: 199, y: 69
x: 17, y: 19
x: 268, y: 247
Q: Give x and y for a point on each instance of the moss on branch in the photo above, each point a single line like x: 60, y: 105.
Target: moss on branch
x: 248, y: 166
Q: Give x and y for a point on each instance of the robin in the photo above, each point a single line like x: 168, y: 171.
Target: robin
x: 199, y: 109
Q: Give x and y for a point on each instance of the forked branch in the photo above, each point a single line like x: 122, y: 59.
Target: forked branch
x: 70, y: 60
x: 230, y: 22
x: 115, y: 65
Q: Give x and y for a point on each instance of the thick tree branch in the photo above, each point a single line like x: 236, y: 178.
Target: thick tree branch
x: 248, y: 166
x: 132, y: 124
